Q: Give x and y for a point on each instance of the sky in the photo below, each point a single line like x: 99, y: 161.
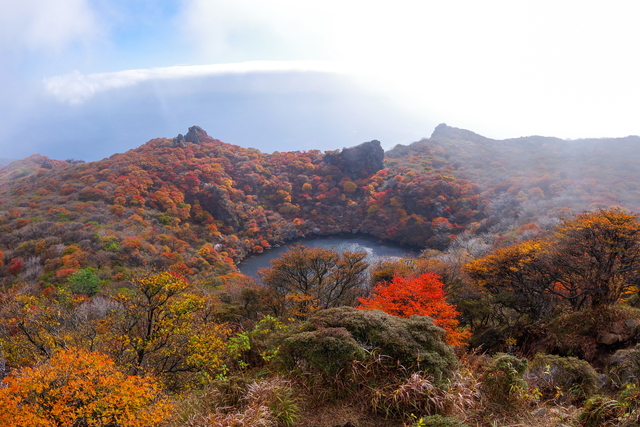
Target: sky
x: 85, y: 79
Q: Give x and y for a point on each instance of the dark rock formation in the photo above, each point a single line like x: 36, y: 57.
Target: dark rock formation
x: 215, y: 200
x: 364, y: 159
x: 196, y: 135
x: 179, y: 140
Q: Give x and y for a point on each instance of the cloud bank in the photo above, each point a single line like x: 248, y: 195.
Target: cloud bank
x: 75, y: 88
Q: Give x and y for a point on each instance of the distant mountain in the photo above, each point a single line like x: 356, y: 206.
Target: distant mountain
x: 24, y: 167
x: 551, y: 173
x: 197, y: 205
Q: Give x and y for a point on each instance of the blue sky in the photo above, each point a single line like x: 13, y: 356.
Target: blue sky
x: 89, y: 78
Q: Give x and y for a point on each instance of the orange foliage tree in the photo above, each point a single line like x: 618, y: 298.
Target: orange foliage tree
x: 80, y: 388
x: 596, y: 258
x: 590, y: 261
x: 422, y: 296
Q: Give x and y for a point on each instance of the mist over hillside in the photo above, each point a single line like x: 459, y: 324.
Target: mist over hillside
x: 542, y: 177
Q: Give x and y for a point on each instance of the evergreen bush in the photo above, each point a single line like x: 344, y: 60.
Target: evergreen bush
x: 326, y: 350
x: 84, y: 282
x: 415, y: 342
x: 562, y: 378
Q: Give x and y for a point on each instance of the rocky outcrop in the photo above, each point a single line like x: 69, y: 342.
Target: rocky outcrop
x: 179, y: 140
x: 27, y: 166
x: 449, y: 132
x: 215, y: 200
x: 624, y: 364
x: 361, y: 160
x: 196, y: 135
x: 618, y: 332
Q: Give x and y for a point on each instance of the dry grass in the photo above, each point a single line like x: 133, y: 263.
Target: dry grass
x: 543, y: 416
x: 278, y: 396
x: 344, y: 414
x: 372, y: 394
x: 250, y: 416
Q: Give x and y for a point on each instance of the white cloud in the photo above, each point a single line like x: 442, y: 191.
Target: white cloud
x: 45, y: 25
x: 508, y: 67
x: 75, y: 88
x: 501, y: 67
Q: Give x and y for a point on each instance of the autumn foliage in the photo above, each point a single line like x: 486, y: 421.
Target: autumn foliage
x: 80, y: 388
x: 128, y: 265
x: 590, y: 261
x: 304, y: 280
x: 420, y: 296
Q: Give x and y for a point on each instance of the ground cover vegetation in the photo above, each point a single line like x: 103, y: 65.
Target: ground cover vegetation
x: 121, y: 304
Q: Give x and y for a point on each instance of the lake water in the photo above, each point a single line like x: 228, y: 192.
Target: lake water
x: 376, y: 249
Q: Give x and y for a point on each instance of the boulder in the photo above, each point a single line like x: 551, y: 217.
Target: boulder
x: 608, y: 339
x: 618, y: 328
x: 624, y: 366
x: 362, y: 160
x: 631, y: 324
x: 179, y: 140
x: 196, y: 135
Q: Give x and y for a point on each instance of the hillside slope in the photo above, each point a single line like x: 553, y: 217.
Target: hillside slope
x: 198, y: 205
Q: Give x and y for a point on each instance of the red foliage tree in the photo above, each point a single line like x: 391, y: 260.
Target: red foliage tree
x: 15, y: 266
x: 422, y: 296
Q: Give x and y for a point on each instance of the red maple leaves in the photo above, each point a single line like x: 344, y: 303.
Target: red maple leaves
x: 422, y: 296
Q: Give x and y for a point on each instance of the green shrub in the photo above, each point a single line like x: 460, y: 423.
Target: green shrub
x: 562, y: 378
x: 503, y: 381
x: 415, y: 343
x: 257, y: 347
x: 164, y: 219
x: 326, y: 350
x: 384, y: 364
x: 84, y: 282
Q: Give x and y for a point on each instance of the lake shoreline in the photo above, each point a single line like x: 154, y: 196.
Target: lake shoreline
x: 375, y: 248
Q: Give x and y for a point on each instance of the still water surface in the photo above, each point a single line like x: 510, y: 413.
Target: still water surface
x: 375, y: 248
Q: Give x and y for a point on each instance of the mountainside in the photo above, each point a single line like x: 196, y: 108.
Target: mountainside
x: 197, y: 204
x: 200, y: 204
x: 121, y: 274
x: 535, y: 178
x: 558, y: 167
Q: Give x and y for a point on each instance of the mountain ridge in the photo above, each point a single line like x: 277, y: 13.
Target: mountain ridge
x: 202, y: 204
